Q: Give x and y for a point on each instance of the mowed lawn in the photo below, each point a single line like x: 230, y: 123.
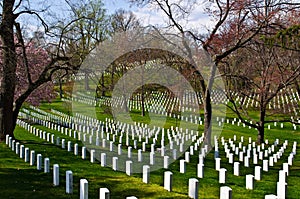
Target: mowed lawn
x: 19, y: 180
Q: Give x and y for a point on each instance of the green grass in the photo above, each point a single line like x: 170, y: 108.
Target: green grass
x: 19, y: 180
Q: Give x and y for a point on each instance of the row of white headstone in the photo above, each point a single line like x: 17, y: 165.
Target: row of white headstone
x: 233, y: 150
x: 30, y: 157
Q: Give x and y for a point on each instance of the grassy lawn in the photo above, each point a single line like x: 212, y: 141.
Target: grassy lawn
x: 19, y: 180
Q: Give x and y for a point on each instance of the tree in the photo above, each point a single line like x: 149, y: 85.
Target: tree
x: 236, y: 23
x: 13, y: 41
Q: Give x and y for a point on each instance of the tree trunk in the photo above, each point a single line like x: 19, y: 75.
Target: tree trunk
x: 60, y: 88
x: 261, y: 127
x: 102, y: 85
x: 207, y: 119
x: 143, y: 101
x: 8, y: 83
x: 86, y: 81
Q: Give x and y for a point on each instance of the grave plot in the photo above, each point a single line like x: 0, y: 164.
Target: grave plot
x: 188, y: 163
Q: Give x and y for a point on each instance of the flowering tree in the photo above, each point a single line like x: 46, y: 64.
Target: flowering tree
x: 37, y: 59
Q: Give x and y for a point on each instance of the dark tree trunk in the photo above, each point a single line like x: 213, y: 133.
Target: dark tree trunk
x: 86, y: 81
x: 102, y: 85
x: 143, y: 101
x: 60, y: 88
x: 261, y: 126
x: 9, y: 63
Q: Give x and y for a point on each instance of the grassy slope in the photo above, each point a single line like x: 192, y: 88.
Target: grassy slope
x: 19, y: 180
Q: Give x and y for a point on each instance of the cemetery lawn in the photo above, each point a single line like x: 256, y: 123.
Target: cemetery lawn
x: 19, y: 180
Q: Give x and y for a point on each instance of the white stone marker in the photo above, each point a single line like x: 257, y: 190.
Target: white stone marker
x: 129, y: 167
x: 32, y: 158
x: 281, y: 190
x: 193, y: 188
x: 286, y: 168
x: 166, y: 162
x: 230, y: 158
x: 69, y: 146
x: 182, y: 166
x: 271, y: 161
x: 76, y: 149
x: 84, y: 189
x: 241, y: 156
x: 222, y: 175
x: 187, y: 156
x: 69, y: 182
x: 22, y: 151
x: 168, y: 179
x: 131, y: 197
x: 55, y: 174
x: 257, y: 173
x: 115, y: 163
x: 39, y: 162
x: 104, y: 193
x: 63, y: 143
x: 218, y: 163
x: 129, y: 152
x: 13, y: 145
x: 200, y: 170
x: 83, y: 152
x: 282, y: 176
x: 26, y: 154
x: 152, y: 158
x: 92, y: 156
x: 246, y: 161
x: 146, y: 174
x: 103, y: 159
x: 266, y: 165
x: 140, y: 156
x: 271, y: 196
x: 225, y: 192
x: 46, y: 165
x: 17, y: 148
x: 250, y: 182
x: 236, y: 168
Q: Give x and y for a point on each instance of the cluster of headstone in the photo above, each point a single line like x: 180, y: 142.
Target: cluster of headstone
x: 286, y: 100
x: 238, y: 122
x: 263, y: 156
x: 134, y: 136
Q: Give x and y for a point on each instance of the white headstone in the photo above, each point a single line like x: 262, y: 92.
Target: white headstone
x: 236, y: 169
x: 222, y: 175
x: 104, y: 193
x: 182, y: 166
x: 200, y: 170
x: 46, y: 165
x: 266, y: 165
x: 168, y: 179
x: 55, y: 174
x: 92, y: 156
x: 39, y: 162
x: 84, y: 190
x: 257, y: 173
x: 271, y: 196
x: 83, y: 152
x: 146, y: 174
x: 129, y: 167
x: 115, y: 163
x: 76, y: 149
x: 281, y: 190
x: 32, y: 158
x: 249, y: 182
x: 103, y: 159
x: 217, y: 163
x: 69, y: 182
x: 166, y: 162
x: 225, y: 192
x: 27, y: 155
x: 193, y: 188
